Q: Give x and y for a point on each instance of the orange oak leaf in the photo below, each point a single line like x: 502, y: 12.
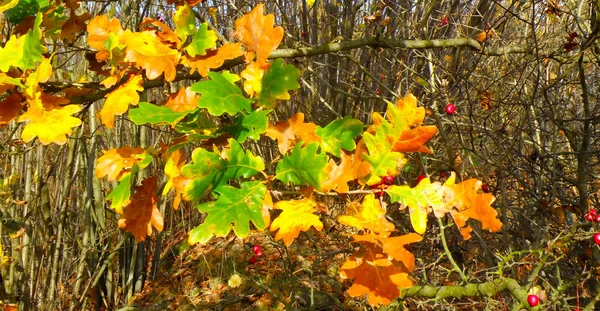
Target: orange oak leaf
x: 463, y: 201
x: 10, y: 108
x: 183, y: 100
x: 367, y: 215
x: 162, y: 31
x: 297, y: 216
x: 257, y: 34
x: 150, y: 53
x: 375, y: 274
x: 100, y: 29
x: 141, y: 213
x: 116, y: 161
x: 340, y: 175
x: 404, y: 128
x: 48, y: 120
x: 214, y: 58
x: 74, y: 25
x: 288, y: 133
x: 118, y: 101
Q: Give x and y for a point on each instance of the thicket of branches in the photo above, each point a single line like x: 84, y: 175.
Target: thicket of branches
x: 522, y: 74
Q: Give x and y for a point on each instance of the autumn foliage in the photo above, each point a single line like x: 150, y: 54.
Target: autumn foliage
x: 221, y: 177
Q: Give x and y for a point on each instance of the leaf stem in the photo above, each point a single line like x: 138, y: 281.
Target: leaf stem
x: 447, y: 251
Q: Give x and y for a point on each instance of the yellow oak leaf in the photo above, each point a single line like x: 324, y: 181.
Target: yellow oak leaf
x: 117, y: 102
x: 252, y: 76
x: 116, y: 161
x: 367, y: 215
x: 150, y: 53
x: 141, y: 213
x: 183, y: 100
x: 297, y: 216
x: 175, y: 161
x: 288, y: 133
x: 48, y: 120
x: 257, y: 34
x: 214, y: 58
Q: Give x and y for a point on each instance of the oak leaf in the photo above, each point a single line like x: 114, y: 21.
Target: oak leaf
x: 118, y: 101
x: 234, y: 209
x: 252, y: 76
x: 48, y: 119
x: 288, y: 133
x: 418, y: 200
x: 257, y: 34
x: 340, y: 134
x: 74, y: 25
x: 100, y: 29
x: 23, y: 52
x: 304, y: 166
x: 183, y: 100
x: 150, y: 53
x: 220, y: 95
x: 8, y: 83
x: 185, y: 21
x: 297, y: 216
x: 141, y: 213
x: 375, y: 275
x: 276, y: 82
x: 463, y: 201
x: 213, y: 58
x: 340, y: 175
x: 10, y: 108
x: 404, y: 129
x: 118, y: 160
x: 368, y: 215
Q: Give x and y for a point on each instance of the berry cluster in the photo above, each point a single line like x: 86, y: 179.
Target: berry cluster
x: 593, y: 216
x: 257, y: 253
x: 385, y: 181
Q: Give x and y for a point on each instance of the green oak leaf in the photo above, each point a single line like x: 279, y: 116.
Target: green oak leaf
x: 120, y: 195
x: 277, y: 81
x: 384, y: 161
x: 340, y: 134
x: 26, y: 8
x: 304, y: 166
x: 210, y: 170
x: 203, y: 40
x: 231, y: 77
x: 417, y: 199
x: 219, y: 95
x: 206, y: 171
x: 234, y: 209
x: 24, y: 52
x: 240, y: 163
x: 194, y: 122
x: 153, y: 114
x: 251, y: 125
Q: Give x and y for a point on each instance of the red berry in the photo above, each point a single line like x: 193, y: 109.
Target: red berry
x: 443, y: 174
x: 421, y: 177
x: 387, y: 180
x: 485, y: 188
x: 304, y: 33
x: 259, y: 253
x: 597, y: 238
x: 589, y: 217
x: 597, y: 218
x: 256, y: 248
x: 450, y: 109
x: 533, y: 300
x: 378, y: 92
x: 252, y: 260
x: 593, y: 212
x: 382, y: 76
